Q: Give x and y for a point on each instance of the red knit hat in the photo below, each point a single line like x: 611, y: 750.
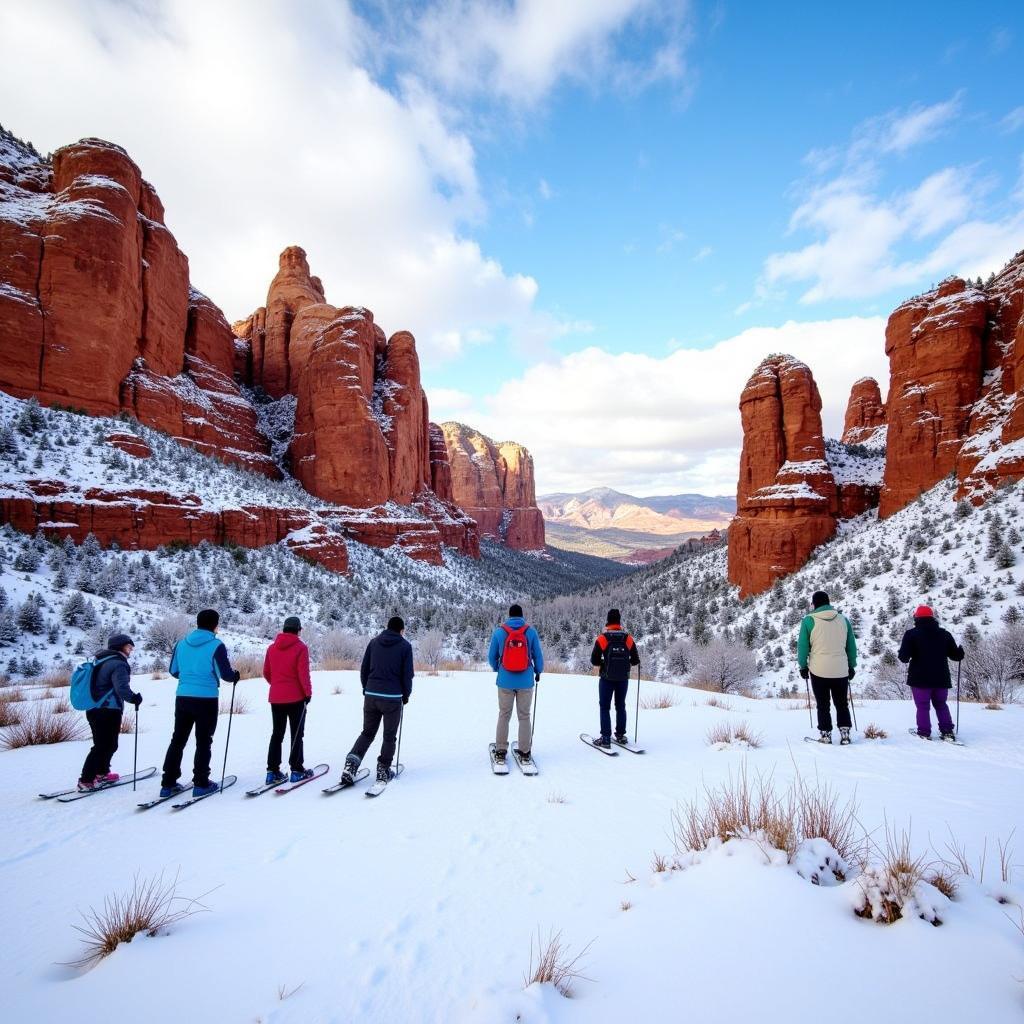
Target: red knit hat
x: 924, y: 612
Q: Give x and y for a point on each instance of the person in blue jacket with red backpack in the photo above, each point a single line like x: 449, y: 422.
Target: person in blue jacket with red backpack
x: 515, y: 654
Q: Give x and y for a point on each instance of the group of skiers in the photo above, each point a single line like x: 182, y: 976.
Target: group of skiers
x: 826, y: 655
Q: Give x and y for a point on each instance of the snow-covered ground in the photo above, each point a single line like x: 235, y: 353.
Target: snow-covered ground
x: 421, y: 905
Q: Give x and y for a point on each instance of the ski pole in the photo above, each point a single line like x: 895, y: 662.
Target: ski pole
x: 398, y: 752
x: 227, y: 742
x: 636, y: 717
x: 849, y: 691
x: 135, y: 759
x: 959, y: 665
x: 298, y: 733
x: 533, y: 718
x: 810, y: 717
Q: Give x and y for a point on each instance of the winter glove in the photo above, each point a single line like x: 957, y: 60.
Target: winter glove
x: 308, y: 699
x: 805, y: 673
x: 238, y: 675
x: 962, y: 652
x: 405, y: 700
x: 852, y: 674
x: 137, y: 699
x: 536, y: 677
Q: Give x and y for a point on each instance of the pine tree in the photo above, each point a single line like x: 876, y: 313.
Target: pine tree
x: 9, y: 631
x: 30, y: 615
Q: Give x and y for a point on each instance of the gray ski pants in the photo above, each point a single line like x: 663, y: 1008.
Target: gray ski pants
x: 522, y: 700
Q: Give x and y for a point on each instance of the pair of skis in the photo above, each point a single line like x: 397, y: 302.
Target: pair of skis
x: 280, y: 788
x: 526, y: 767
x: 939, y: 739
x: 229, y: 780
x: 66, y: 796
x: 608, y: 751
x: 375, y: 790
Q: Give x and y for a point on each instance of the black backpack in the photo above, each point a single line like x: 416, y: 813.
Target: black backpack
x: 616, y: 657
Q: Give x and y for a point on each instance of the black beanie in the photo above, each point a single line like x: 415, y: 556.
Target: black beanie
x: 515, y: 611
x: 819, y: 598
x: 614, y: 617
x: 292, y: 624
x: 396, y: 623
x: 118, y: 640
x: 208, y: 618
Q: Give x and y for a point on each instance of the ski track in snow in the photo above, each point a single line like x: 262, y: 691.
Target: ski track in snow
x: 421, y: 906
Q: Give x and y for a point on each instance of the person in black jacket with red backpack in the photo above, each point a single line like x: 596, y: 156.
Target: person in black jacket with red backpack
x: 111, y: 689
x: 615, y: 653
x: 927, y: 650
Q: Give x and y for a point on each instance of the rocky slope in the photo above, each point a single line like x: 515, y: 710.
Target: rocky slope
x: 494, y: 483
x: 98, y: 315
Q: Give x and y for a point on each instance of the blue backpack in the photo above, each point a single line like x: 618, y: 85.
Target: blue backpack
x: 81, y: 686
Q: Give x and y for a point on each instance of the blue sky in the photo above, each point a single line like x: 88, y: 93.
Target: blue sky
x: 595, y: 215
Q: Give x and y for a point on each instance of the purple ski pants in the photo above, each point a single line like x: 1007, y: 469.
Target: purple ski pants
x: 926, y: 697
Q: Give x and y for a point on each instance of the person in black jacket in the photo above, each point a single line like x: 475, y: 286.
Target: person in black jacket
x: 386, y: 675
x: 928, y: 649
x: 111, y: 688
x: 615, y: 652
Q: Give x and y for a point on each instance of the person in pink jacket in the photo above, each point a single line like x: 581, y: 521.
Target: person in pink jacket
x: 286, y: 668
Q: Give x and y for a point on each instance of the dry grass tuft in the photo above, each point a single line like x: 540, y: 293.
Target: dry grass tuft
x: 249, y: 665
x: 158, y: 675
x: 336, y: 690
x: 888, y: 886
x: 241, y: 705
x: 284, y: 992
x: 557, y: 797
x: 874, y: 732
x: 42, y: 726
x: 555, y: 964
x: 944, y: 878
x: 721, y: 733
x: 743, y: 734
x: 12, y: 695
x: 739, y: 808
x: 61, y: 706
x: 625, y: 905
x: 150, y: 906
x: 718, y: 702
x: 336, y: 664
x: 9, y: 714
x: 56, y: 679
x: 128, y: 722
x: 665, y: 699
x: 659, y: 863
x: 993, y: 707
x: 726, y: 732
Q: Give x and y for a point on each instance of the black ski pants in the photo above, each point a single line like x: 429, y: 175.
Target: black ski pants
x: 838, y: 690
x: 375, y: 711
x: 105, y: 724
x: 199, y: 713
x: 291, y: 715
x: 606, y: 690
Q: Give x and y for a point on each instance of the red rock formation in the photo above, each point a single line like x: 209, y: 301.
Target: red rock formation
x: 786, y: 498
x: 405, y: 419
x: 440, y: 468
x: 865, y: 412
x: 130, y: 444
x: 96, y: 305
x: 495, y: 485
x: 934, y: 344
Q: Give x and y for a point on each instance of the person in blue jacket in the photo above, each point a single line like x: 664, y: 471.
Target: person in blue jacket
x: 199, y: 662
x: 515, y: 654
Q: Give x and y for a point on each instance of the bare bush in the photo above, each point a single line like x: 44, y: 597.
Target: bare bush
x: 678, y: 657
x: 555, y: 964
x: 164, y: 633
x: 993, y: 670
x: 724, y: 666
x: 726, y: 732
x: 42, y: 726
x: 428, y: 647
x: 249, y: 666
x: 339, y: 650
x: 889, y: 682
x: 150, y: 906
x: 874, y: 732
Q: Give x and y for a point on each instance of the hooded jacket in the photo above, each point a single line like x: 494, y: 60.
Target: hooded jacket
x: 112, y: 678
x: 286, y: 668
x: 387, y: 667
x: 598, y: 656
x: 827, y: 645
x: 929, y: 648
x: 199, y: 663
x: 516, y: 680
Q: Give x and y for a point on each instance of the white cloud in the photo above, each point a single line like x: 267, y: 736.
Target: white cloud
x: 261, y: 129
x: 518, y: 51
x: 702, y: 254
x: 545, y: 190
x: 1013, y: 121
x: 899, y: 132
x: 653, y: 425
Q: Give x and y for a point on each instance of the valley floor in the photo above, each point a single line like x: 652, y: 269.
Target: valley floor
x: 421, y: 906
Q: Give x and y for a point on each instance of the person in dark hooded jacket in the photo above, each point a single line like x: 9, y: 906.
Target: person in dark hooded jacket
x: 928, y: 649
x: 286, y: 668
x: 386, y: 674
x: 111, y: 687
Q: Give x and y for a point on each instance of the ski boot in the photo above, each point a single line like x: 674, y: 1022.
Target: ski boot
x: 348, y: 773
x: 276, y: 778
x: 86, y: 787
x: 948, y: 737
x: 208, y: 790
x: 524, y: 757
x: 302, y: 773
x: 383, y: 773
x: 108, y: 779
x: 621, y: 737
x: 168, y: 791
x: 603, y: 741
x: 501, y: 757
x: 844, y: 736
x: 825, y: 736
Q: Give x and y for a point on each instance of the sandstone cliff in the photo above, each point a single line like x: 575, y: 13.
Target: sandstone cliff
x: 494, y: 483
x: 865, y: 412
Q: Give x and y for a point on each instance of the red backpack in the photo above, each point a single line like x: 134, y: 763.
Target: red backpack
x: 515, y: 655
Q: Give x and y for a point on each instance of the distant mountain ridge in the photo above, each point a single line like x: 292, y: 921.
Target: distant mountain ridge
x: 616, y: 525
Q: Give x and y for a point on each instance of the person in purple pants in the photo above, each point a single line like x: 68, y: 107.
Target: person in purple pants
x: 928, y: 650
